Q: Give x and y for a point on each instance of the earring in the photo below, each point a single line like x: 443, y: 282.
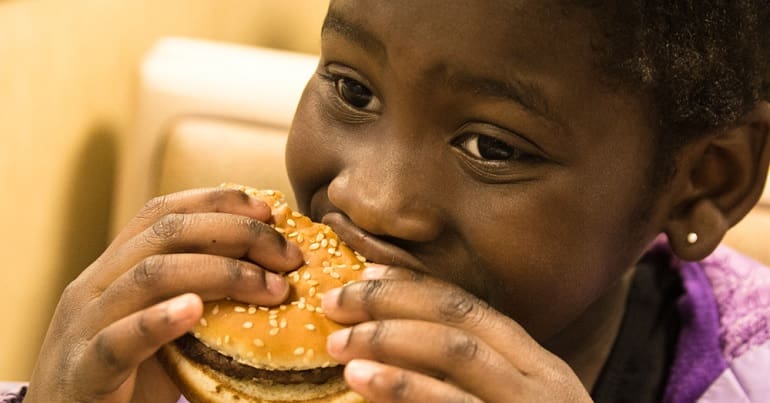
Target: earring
x: 692, y: 238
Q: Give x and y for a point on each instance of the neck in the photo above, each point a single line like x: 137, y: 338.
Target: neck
x: 586, y: 343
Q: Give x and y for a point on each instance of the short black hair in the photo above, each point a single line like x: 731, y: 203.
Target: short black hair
x: 704, y: 63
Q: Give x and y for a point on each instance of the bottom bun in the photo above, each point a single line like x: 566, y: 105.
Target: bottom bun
x: 202, y: 384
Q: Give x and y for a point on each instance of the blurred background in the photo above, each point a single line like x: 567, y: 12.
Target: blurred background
x: 69, y: 74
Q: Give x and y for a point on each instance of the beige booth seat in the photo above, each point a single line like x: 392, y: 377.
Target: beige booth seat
x: 212, y: 113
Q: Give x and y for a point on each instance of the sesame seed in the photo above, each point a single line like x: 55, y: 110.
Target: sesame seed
x: 335, y: 275
x: 274, y: 331
x: 338, y: 254
x: 227, y: 339
x: 324, y: 243
x: 280, y: 230
x: 299, y: 351
x: 215, y: 310
x: 197, y: 335
x: 282, y: 307
x: 269, y: 356
x: 239, y: 309
x: 326, y: 263
x: 293, y: 234
x: 294, y: 276
x: 252, y: 310
x: 319, y: 237
x: 310, y: 307
x: 283, y: 324
x: 355, y: 267
x: 248, y: 325
x: 306, y: 276
x: 258, y: 342
x: 263, y: 308
x: 318, y: 309
x: 333, y: 242
x: 204, y: 322
x: 360, y: 258
x: 273, y: 323
x: 273, y: 312
x: 331, y: 251
x: 219, y: 341
x: 314, y: 246
x: 310, y: 353
x: 312, y: 291
x: 327, y: 270
x: 300, y: 238
x: 301, y: 305
x: 291, y: 222
x: 296, y: 214
x: 310, y: 326
x: 312, y: 283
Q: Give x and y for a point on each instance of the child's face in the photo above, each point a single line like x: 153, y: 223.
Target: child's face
x: 477, y: 139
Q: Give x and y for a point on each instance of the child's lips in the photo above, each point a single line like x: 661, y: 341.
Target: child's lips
x: 368, y: 245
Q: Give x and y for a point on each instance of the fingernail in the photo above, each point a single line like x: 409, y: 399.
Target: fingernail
x: 374, y: 271
x: 360, y: 372
x: 337, y: 341
x: 179, y: 307
x: 276, y: 284
x: 331, y: 299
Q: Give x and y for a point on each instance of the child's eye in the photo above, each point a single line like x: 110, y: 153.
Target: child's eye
x: 353, y: 92
x: 489, y: 148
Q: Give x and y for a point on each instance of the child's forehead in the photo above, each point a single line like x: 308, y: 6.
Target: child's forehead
x: 502, y: 28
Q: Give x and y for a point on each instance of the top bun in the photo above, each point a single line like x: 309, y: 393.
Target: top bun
x: 291, y: 336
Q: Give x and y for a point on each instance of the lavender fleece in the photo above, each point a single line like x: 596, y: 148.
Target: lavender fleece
x: 725, y: 334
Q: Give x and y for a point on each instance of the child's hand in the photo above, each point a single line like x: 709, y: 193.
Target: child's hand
x: 417, y: 339
x: 146, y: 290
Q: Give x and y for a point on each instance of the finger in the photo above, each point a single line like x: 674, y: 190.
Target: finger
x: 206, y: 233
x: 424, y: 298
x: 381, y: 383
x: 114, y: 354
x: 159, y: 277
x: 209, y: 200
x: 451, y: 354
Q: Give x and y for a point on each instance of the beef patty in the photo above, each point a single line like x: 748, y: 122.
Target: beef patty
x: 200, y: 353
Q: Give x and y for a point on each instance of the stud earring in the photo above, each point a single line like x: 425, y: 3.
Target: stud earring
x: 692, y: 238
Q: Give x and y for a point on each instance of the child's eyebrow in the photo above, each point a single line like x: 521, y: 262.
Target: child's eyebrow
x: 527, y: 94
x: 353, y: 32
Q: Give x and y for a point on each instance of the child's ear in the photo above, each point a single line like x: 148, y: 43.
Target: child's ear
x: 720, y: 179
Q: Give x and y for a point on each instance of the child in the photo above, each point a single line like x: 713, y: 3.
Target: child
x: 514, y: 163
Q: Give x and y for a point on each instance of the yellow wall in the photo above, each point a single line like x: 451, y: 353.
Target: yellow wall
x: 68, y: 79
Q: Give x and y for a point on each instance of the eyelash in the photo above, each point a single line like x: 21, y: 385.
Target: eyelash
x: 471, y: 140
x: 350, y: 112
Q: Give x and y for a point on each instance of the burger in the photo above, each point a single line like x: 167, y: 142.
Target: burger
x: 246, y: 353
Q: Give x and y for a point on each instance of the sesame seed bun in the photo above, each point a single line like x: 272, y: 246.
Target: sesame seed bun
x: 246, y: 353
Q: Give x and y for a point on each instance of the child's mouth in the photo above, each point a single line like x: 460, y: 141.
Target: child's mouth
x: 373, y: 248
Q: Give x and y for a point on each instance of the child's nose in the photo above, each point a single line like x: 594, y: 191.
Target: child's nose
x: 387, y: 203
